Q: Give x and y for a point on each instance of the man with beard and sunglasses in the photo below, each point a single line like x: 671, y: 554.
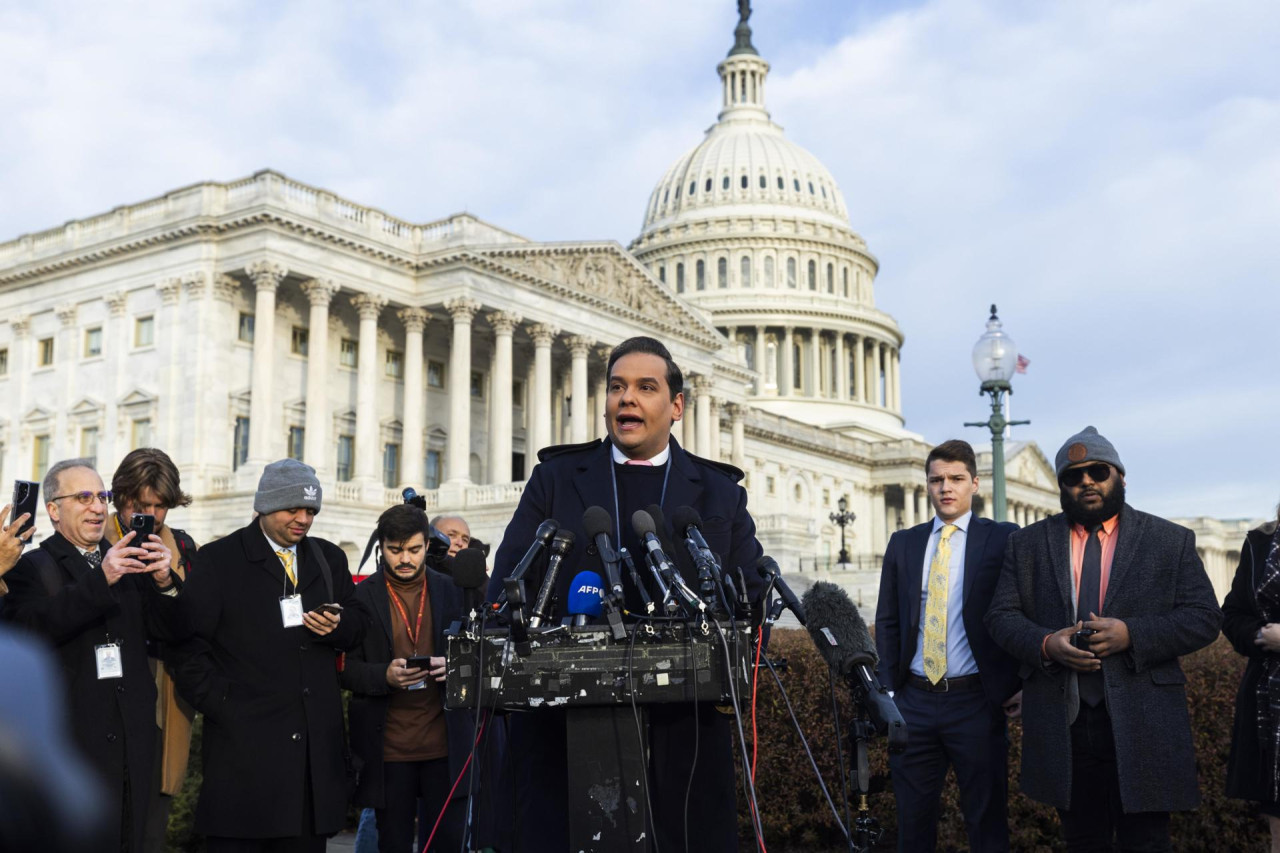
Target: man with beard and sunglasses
x: 1098, y: 603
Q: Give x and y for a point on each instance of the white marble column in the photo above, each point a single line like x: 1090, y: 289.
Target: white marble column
x: 579, y: 348
x: 908, y: 506
x: 540, y: 400
x: 816, y: 388
x: 714, y: 452
x: 18, y: 461
x: 842, y: 369
x: 599, y: 427
x: 762, y: 350
x: 315, y: 449
x: 169, y: 341
x: 702, y: 387
x: 897, y: 380
x: 116, y: 349
x: 413, y: 422
x: 859, y: 370
x: 461, y: 310
x: 879, y: 515
x: 368, y: 462
x: 923, y: 509
x: 737, y: 426
x: 264, y: 414
x: 689, y: 431
x: 788, y: 362
x: 876, y: 365
x: 504, y: 324
x: 64, y: 443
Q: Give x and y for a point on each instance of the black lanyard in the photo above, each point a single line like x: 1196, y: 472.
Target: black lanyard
x: 613, y: 473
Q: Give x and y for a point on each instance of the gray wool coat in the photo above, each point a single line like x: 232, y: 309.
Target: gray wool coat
x: 1159, y: 588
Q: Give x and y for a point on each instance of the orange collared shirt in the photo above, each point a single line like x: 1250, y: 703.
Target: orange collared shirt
x: 1107, y: 537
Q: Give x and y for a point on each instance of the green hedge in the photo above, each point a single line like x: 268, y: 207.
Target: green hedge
x: 797, y: 818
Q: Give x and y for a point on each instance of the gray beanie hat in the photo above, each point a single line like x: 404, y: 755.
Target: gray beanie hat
x: 1086, y: 446
x: 287, y: 484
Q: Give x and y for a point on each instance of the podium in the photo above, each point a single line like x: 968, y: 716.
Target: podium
x: 596, y: 679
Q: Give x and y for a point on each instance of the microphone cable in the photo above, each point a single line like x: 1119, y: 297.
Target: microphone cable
x: 697, y: 729
x: 795, y: 722
x: 749, y: 779
x: 440, y: 816
x: 652, y: 825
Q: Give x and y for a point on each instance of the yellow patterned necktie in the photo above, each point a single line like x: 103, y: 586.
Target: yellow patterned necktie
x: 286, y: 560
x: 935, y: 611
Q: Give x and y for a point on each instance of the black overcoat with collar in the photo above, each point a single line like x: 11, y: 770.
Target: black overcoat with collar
x: 898, y: 607
x: 1159, y: 588
x: 1247, y: 778
x: 365, y: 675
x: 269, y: 694
x: 113, y: 720
x: 562, y: 486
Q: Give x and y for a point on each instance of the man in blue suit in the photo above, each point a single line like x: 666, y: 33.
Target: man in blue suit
x: 640, y: 464
x: 952, y: 683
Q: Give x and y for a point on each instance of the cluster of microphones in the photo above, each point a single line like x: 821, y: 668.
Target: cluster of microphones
x: 661, y: 590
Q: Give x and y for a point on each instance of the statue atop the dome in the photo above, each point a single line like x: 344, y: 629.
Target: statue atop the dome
x: 742, y: 32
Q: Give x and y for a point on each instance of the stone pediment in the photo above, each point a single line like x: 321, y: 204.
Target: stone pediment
x: 86, y: 407
x: 604, y: 275
x: 1028, y: 464
x: 137, y: 397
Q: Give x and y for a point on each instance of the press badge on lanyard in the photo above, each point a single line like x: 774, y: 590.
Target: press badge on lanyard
x: 291, y: 610
x: 110, y: 664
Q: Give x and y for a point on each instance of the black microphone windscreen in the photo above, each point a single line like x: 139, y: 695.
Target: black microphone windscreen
x: 684, y: 517
x: 768, y: 567
x: 659, y: 521
x: 469, y: 570
x: 596, y: 520
x: 546, y: 530
x: 642, y: 523
x: 562, y: 543
x: 837, y: 629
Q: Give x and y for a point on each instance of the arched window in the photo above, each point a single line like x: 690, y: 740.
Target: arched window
x: 677, y: 192
x: 700, y: 274
x: 811, y: 188
x: 666, y: 194
x: 845, y: 273
x: 746, y: 270
x: 813, y: 275
x: 722, y: 273
x: 831, y: 278
x: 743, y: 183
x: 680, y: 277
x: 662, y: 273
x: 768, y: 271
x: 708, y: 189
x: 693, y: 187
x: 796, y: 181
x: 781, y: 184
x: 824, y: 191
x: 764, y: 183
x: 724, y: 182
x: 791, y: 272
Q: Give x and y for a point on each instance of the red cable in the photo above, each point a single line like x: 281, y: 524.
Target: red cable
x: 461, y: 773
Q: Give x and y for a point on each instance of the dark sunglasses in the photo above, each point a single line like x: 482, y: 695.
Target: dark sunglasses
x: 1099, y: 472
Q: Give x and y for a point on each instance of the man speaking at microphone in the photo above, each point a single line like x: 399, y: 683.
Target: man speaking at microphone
x: 640, y: 465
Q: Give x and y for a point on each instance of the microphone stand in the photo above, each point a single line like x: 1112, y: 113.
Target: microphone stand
x: 865, y: 833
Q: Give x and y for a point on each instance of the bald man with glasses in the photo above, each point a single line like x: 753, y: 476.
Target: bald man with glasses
x: 97, y: 607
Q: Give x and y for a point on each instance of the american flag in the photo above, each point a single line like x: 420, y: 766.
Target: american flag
x: 1023, y: 363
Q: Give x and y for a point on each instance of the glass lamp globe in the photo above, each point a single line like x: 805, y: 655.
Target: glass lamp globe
x: 995, y: 355
x: 843, y: 503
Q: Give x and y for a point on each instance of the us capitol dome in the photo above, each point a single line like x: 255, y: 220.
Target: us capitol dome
x: 753, y: 230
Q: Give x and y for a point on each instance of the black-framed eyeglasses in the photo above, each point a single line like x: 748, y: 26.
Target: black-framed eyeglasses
x: 86, y: 498
x: 1099, y: 472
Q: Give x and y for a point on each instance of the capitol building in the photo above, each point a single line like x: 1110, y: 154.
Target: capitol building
x: 235, y: 323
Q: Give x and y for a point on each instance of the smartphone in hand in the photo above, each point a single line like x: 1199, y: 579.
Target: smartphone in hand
x: 26, y: 498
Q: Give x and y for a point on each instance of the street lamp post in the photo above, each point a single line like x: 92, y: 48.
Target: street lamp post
x: 995, y: 358
x: 843, y: 518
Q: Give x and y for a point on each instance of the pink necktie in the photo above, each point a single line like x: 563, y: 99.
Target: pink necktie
x: 639, y: 462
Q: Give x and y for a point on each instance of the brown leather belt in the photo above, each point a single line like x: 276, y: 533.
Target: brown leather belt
x: 946, y: 685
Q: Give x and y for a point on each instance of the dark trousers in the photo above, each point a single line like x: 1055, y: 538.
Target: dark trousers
x: 307, y: 844
x: 405, y: 782
x: 1096, y: 820
x: 964, y: 730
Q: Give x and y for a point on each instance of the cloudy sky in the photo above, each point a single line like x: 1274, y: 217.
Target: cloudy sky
x: 1107, y: 172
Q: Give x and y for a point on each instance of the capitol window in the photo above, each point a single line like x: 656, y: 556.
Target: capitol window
x: 724, y: 182
x: 245, y: 331
x: 89, y: 444
x: 781, y: 183
x: 477, y: 386
x: 4, y: 361
x: 746, y: 270
x: 93, y: 342
x: 700, y: 276
x: 845, y: 273
x: 390, y: 465
x: 348, y: 353
x: 722, y: 273
x: 770, y: 485
x: 813, y: 275
x: 393, y: 366
x: 298, y: 341
x: 831, y: 278
x: 39, y: 456
x: 665, y: 195
x: 435, y: 374
x: 431, y: 479
x: 693, y: 187
x: 679, y: 278
x: 662, y: 273
x: 708, y: 185
x: 144, y: 331
x: 811, y: 188
x: 346, y: 448
x: 764, y: 183
x: 791, y: 272
x: 744, y: 183
x: 240, y: 443
x: 297, y: 440
x: 768, y: 271
x: 796, y: 181
x: 140, y: 433
x: 45, y: 356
